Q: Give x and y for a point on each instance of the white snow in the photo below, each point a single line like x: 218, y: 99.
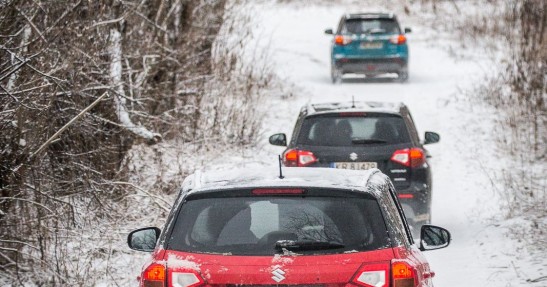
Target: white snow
x: 186, y: 262
x: 292, y: 176
x: 119, y: 99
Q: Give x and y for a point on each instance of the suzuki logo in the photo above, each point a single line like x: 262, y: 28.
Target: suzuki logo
x: 353, y: 156
x: 278, y: 275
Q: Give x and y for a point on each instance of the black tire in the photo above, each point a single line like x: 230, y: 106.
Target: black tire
x: 402, y: 76
x: 335, y: 75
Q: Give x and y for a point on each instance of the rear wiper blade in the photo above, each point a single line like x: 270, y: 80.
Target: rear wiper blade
x: 367, y: 141
x: 306, y: 245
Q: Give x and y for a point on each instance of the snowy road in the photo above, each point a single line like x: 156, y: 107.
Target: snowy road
x: 463, y: 199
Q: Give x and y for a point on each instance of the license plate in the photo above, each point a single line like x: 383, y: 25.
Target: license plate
x: 355, y: 165
x: 372, y: 45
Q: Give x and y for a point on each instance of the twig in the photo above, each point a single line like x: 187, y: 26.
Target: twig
x: 147, y: 193
x: 53, y: 137
x: 32, y: 25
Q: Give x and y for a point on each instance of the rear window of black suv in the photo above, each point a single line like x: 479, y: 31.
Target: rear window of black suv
x: 260, y: 225
x: 337, y: 130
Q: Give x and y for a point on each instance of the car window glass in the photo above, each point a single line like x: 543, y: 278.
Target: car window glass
x: 253, y: 225
x: 413, y: 131
x: 394, y: 220
x: 366, y: 26
x: 348, y: 131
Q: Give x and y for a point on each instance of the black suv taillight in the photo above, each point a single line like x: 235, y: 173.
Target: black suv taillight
x: 298, y: 158
x: 411, y: 157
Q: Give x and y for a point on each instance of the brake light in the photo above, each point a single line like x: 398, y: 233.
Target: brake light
x: 352, y: 114
x: 411, y: 157
x: 154, y: 276
x: 406, y: 195
x: 372, y: 275
x: 300, y: 158
x: 186, y: 279
x: 342, y: 40
x: 398, y: 39
x: 403, y: 275
x: 265, y: 191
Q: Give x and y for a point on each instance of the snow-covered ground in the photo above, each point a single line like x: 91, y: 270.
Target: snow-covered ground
x: 481, y: 254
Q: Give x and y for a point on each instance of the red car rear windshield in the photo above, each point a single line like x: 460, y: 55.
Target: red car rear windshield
x: 267, y: 225
x: 353, y: 130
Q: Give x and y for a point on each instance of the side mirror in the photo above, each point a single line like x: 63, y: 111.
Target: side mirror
x: 329, y: 32
x: 408, y: 30
x: 143, y: 239
x: 431, y: 137
x: 278, y: 139
x: 433, y: 237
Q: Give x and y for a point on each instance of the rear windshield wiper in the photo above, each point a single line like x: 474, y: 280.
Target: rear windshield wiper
x: 367, y: 141
x: 306, y: 245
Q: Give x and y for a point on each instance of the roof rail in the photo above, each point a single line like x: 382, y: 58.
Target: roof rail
x: 310, y: 108
x: 197, y: 179
x: 192, y: 182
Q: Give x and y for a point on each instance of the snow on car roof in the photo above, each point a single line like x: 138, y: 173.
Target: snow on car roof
x: 385, y: 107
x: 269, y: 177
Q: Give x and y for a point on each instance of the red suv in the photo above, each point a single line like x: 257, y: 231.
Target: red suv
x: 307, y: 227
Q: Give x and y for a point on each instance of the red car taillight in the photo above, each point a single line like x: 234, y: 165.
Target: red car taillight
x: 398, y: 39
x: 186, y: 279
x: 403, y: 275
x: 299, y: 158
x: 154, y: 276
x: 411, y: 157
x: 379, y: 275
x: 372, y: 275
x: 342, y: 40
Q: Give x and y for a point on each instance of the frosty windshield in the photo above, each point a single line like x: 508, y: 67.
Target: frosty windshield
x: 258, y: 225
x: 347, y: 131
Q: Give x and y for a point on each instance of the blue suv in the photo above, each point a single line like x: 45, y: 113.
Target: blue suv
x: 371, y: 44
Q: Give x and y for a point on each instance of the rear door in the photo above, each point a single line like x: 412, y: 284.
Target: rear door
x: 357, y: 140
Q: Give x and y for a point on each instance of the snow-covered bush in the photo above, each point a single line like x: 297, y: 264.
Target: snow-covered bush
x: 513, y: 33
x: 169, y: 82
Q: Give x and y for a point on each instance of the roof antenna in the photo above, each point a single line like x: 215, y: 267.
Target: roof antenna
x: 353, y: 102
x: 280, y: 170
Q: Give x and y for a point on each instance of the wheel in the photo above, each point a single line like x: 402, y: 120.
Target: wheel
x: 335, y: 75
x: 402, y: 76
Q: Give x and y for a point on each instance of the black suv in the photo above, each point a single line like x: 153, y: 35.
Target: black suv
x: 365, y: 135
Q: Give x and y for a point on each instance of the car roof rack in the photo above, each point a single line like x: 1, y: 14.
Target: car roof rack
x: 310, y: 109
x: 192, y: 182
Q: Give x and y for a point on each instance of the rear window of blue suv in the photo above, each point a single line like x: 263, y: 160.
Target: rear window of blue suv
x: 370, y: 26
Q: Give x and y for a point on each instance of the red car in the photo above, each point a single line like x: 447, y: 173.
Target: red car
x: 306, y: 227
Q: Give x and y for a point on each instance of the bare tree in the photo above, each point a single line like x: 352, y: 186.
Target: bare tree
x: 169, y: 77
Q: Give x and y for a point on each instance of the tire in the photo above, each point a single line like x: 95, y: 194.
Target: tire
x: 402, y: 76
x: 335, y: 75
